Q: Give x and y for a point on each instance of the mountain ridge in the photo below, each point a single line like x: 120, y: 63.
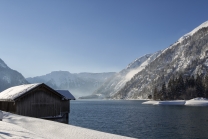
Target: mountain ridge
x: 9, y: 77
x: 187, y: 56
x: 116, y: 82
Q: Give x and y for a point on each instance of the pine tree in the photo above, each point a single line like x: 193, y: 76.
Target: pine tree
x: 199, y: 86
x: 186, y: 86
x: 170, y: 89
x: 163, y: 92
x: 206, y: 86
x: 155, y: 94
x: 192, y: 81
x: 177, y: 88
x: 181, y: 86
x: 174, y: 89
x: 190, y: 87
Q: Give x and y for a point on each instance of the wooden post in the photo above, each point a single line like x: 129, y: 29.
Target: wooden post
x: 1, y: 115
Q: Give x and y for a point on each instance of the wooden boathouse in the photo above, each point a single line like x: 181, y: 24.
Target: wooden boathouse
x: 36, y: 100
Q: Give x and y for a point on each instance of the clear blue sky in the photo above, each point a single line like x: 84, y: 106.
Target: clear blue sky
x: 40, y: 36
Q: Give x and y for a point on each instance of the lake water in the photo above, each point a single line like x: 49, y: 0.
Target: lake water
x: 131, y: 118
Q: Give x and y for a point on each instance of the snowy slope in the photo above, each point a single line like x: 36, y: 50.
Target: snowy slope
x: 116, y: 82
x: 203, y: 25
x: 77, y: 83
x: 12, y: 131
x: 188, y: 56
x: 21, y: 127
x: 9, y: 77
x: 2, y: 64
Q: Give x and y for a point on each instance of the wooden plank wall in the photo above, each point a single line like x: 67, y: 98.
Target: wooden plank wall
x: 7, y: 106
x: 41, y: 103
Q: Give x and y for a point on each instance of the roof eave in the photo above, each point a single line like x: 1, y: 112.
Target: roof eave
x: 7, y: 100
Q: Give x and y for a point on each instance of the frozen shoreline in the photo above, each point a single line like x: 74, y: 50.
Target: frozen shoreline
x: 16, y: 126
x: 192, y: 102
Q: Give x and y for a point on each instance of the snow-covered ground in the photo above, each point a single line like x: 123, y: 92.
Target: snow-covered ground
x: 173, y: 102
x: 152, y: 102
x: 197, y: 102
x: 20, y: 127
x: 192, y: 102
x: 12, y: 131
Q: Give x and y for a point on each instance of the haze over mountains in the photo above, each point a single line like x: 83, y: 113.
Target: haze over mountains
x: 80, y: 84
x: 117, y: 81
x: 187, y: 56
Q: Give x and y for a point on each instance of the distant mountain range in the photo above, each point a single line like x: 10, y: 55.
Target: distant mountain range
x: 80, y: 84
x: 9, y: 77
x: 187, y: 56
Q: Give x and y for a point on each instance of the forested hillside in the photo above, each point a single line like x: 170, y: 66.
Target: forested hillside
x: 182, y: 87
x: 187, y: 57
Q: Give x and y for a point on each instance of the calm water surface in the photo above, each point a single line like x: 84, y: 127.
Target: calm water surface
x: 131, y: 118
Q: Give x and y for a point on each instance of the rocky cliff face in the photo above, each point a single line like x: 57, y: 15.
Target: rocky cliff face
x: 9, y: 77
x: 187, y: 56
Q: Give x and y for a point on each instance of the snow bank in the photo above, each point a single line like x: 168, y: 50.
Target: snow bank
x: 16, y: 126
x: 151, y: 102
x: 192, y: 102
x: 197, y: 102
x: 173, y: 102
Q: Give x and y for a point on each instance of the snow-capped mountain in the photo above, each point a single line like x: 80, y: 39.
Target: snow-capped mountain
x: 80, y: 84
x: 187, y: 56
x: 116, y: 82
x: 9, y: 77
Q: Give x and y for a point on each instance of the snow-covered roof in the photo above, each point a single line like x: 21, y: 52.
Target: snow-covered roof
x: 66, y: 94
x: 12, y: 93
x: 16, y: 91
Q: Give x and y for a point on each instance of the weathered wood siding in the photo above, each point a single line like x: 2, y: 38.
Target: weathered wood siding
x: 7, y: 106
x: 41, y: 103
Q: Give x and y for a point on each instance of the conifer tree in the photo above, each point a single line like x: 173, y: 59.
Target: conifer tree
x: 177, y: 88
x: 163, y: 92
x: 170, y: 89
x: 199, y: 86
x: 192, y: 81
x: 155, y: 94
x: 181, y: 86
x: 206, y: 86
